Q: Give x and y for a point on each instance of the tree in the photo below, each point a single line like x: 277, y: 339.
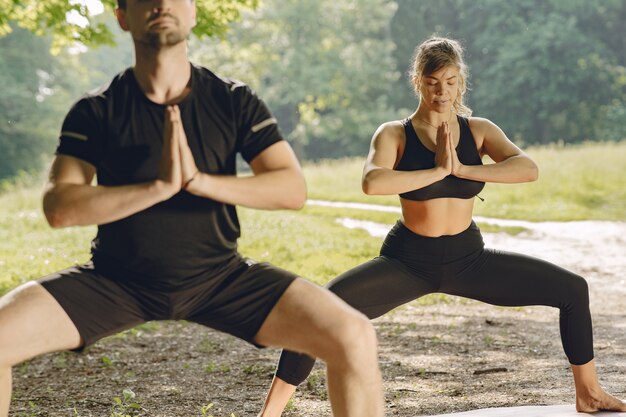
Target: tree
x: 327, y: 87
x: 50, y: 16
x: 38, y: 87
x: 543, y: 70
x: 27, y: 81
x: 412, y: 23
x: 552, y: 81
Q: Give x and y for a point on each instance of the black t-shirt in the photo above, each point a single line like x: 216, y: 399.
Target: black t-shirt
x: 120, y: 131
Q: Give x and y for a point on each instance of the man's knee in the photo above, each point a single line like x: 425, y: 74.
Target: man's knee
x: 354, y: 338
x: 23, y: 332
x: 7, y: 351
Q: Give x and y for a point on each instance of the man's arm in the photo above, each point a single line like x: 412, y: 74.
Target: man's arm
x: 70, y: 199
x: 277, y: 183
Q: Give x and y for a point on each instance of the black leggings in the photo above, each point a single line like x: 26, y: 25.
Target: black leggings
x: 410, y: 266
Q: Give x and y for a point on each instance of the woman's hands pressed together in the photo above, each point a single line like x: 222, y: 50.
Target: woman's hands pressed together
x: 446, y: 157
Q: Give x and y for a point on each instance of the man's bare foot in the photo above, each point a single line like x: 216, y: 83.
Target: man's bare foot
x: 598, y: 401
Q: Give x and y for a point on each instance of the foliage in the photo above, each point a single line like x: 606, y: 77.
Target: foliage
x: 543, y: 70
x: 327, y: 87
x: 612, y: 126
x: 28, y: 79
x: 50, y: 16
x: 214, y: 16
x: 97, y: 66
x: 125, y: 406
x: 331, y: 72
x: 549, y: 99
x: 39, y: 88
x: 41, y: 17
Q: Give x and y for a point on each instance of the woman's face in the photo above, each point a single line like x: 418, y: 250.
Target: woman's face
x: 440, y: 89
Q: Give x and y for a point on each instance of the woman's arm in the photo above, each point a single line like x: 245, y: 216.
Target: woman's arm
x: 511, y: 165
x: 379, y: 176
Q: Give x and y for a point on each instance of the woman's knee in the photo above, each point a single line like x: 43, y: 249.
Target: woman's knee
x: 578, y: 290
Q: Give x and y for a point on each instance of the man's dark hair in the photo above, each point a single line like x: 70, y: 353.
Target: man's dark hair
x: 122, y: 4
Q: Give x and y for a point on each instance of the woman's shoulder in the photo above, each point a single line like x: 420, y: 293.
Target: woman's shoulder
x: 389, y: 134
x: 393, y: 128
x: 479, y: 122
x: 481, y: 125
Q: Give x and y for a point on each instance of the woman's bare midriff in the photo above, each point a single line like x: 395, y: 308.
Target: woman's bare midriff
x: 438, y: 217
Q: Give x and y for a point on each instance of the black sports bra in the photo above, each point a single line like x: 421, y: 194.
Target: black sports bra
x: 416, y: 156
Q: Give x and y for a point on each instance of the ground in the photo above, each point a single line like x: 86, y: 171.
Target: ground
x: 436, y: 358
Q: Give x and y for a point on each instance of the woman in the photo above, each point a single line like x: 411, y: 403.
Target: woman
x: 433, y: 161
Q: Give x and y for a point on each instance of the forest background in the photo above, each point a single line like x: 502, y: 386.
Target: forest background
x: 546, y: 71
x: 551, y: 73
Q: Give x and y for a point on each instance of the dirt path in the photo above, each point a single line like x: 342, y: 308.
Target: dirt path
x: 435, y: 359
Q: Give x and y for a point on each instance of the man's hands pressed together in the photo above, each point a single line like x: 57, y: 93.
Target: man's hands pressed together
x: 178, y: 168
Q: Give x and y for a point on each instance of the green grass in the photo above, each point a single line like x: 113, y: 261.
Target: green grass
x: 311, y: 245
x: 591, y: 185
x: 575, y: 183
x: 29, y: 248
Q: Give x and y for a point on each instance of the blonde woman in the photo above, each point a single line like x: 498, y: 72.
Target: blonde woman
x: 432, y: 159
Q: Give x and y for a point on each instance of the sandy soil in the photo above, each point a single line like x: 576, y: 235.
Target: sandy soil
x: 435, y: 359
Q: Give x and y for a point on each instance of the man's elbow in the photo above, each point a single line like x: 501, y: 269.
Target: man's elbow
x: 533, y: 172
x: 56, y: 219
x: 366, y: 187
x: 295, y: 203
x: 300, y: 200
x: 296, y: 199
x: 55, y: 215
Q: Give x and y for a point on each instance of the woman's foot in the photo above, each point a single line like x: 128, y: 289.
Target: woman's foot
x: 601, y: 400
x: 590, y: 397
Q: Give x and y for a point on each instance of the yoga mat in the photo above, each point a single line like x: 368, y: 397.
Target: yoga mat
x: 531, y: 411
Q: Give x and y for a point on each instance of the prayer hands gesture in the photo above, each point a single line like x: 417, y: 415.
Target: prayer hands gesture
x: 445, y: 152
x: 178, y: 168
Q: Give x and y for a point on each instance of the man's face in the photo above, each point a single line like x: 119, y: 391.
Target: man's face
x: 158, y: 23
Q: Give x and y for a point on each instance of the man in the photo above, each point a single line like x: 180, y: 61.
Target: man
x: 162, y: 140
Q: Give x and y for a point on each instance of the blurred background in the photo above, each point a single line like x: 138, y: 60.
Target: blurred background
x: 546, y: 71
x: 550, y: 73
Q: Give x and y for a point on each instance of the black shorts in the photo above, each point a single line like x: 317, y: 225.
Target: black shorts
x: 236, y: 299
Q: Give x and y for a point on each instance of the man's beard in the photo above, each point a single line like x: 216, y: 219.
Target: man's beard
x: 158, y: 40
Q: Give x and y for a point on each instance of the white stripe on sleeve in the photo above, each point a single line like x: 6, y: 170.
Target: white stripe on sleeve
x: 74, y: 135
x: 264, y: 123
